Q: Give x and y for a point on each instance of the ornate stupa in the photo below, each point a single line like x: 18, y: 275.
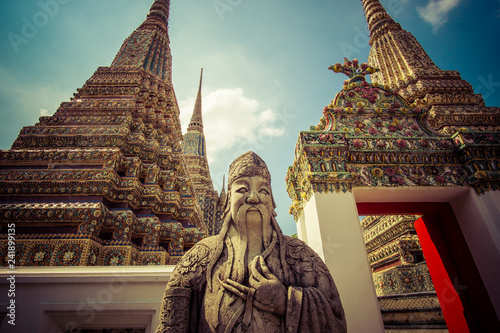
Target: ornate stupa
x: 406, y: 67
x: 194, y: 148
x: 103, y: 181
x: 415, y: 125
x: 414, y: 134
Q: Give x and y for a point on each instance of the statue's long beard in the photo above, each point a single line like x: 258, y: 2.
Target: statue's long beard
x: 239, y: 237
x: 241, y: 224
x: 229, y: 226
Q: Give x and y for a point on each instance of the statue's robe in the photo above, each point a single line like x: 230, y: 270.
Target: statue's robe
x: 196, y: 301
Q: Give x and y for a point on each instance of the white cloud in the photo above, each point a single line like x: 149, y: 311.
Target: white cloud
x: 233, y: 123
x: 44, y: 112
x: 436, y: 12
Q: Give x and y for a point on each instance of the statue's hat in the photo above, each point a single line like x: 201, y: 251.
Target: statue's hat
x: 247, y: 165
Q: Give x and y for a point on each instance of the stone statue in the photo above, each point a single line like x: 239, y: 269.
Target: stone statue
x: 250, y: 277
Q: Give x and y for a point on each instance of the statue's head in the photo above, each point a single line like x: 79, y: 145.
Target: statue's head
x: 249, y: 188
x: 249, y: 205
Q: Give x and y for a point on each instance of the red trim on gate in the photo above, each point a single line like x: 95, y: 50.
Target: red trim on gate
x: 453, y: 310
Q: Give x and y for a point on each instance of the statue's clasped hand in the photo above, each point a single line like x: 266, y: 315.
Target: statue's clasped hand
x: 268, y: 293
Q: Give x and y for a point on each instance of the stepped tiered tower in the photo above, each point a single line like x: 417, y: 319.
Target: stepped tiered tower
x: 103, y: 181
x: 195, y: 155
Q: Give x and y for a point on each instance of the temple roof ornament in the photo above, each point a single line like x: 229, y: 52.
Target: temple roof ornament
x: 353, y: 70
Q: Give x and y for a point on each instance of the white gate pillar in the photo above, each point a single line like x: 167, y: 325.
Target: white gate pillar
x: 479, y: 220
x: 301, y: 228
x: 333, y: 230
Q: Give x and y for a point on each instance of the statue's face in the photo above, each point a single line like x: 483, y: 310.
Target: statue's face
x: 251, y: 196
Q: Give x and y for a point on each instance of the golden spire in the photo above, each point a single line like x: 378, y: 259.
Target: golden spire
x: 196, y: 122
x: 378, y: 19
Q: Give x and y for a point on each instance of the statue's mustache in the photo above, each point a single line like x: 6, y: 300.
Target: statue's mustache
x: 254, y: 207
x: 244, y: 208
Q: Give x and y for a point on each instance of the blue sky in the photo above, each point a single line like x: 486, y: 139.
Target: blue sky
x: 265, y: 62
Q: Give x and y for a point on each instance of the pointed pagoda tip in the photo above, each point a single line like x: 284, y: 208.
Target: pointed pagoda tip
x: 223, y: 195
x: 201, y: 78
x: 160, y: 11
x: 223, y: 189
x: 196, y: 122
x: 377, y: 17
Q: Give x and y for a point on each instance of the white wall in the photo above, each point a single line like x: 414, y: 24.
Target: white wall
x: 53, y: 299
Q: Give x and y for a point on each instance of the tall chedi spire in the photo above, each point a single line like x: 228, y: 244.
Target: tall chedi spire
x: 194, y: 140
x: 395, y: 51
x: 220, y: 207
x: 103, y: 181
x: 195, y: 155
x: 405, y: 66
x: 196, y: 123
